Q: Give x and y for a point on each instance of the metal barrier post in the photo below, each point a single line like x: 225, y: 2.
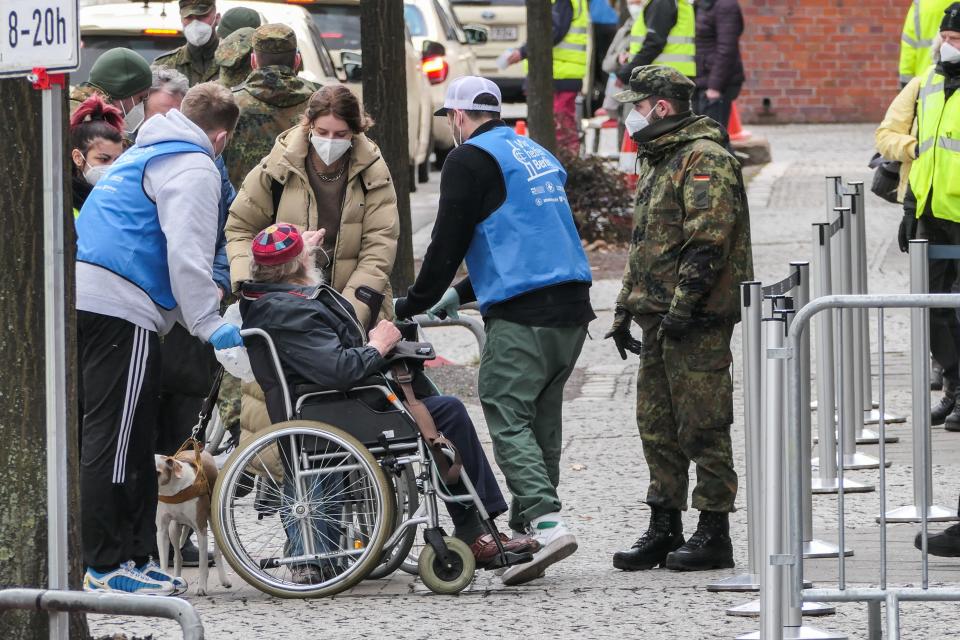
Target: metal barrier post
x: 861, y: 324
x: 920, y: 378
x: 851, y: 414
x: 826, y: 480
x: 751, y: 314
x: 812, y: 548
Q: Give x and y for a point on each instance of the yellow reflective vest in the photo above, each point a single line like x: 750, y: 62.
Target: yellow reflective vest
x: 935, y: 175
x: 680, y: 51
x: 919, y: 29
x: 570, y: 54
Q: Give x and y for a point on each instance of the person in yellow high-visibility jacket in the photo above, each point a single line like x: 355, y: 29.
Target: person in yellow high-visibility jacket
x: 919, y: 29
x: 663, y: 35
x: 571, y: 36
x: 932, y: 203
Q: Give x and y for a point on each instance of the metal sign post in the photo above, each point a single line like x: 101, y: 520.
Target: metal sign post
x: 42, y: 37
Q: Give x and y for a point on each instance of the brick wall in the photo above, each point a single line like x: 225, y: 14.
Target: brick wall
x: 820, y: 60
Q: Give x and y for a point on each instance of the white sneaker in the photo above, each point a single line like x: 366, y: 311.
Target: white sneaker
x: 126, y: 579
x: 556, y: 543
x: 152, y: 570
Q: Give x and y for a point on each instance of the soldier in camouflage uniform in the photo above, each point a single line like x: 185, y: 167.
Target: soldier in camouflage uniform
x: 689, y: 252
x: 233, y: 57
x: 122, y: 78
x: 271, y: 100
x: 195, y: 59
x: 237, y: 18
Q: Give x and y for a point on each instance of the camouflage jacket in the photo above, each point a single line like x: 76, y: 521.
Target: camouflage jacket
x: 691, y: 239
x: 81, y: 92
x: 271, y: 100
x: 197, y: 64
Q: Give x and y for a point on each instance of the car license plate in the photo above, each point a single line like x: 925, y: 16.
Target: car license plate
x: 503, y: 33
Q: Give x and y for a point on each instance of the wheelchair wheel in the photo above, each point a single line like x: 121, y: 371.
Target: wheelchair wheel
x: 447, y: 580
x: 407, y: 503
x: 317, y: 522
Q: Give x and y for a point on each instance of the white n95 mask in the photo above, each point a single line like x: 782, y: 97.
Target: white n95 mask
x: 330, y: 149
x: 949, y: 53
x: 636, y: 121
x: 198, y: 33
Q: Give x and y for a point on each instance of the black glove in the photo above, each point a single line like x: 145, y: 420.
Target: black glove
x: 620, y: 332
x: 907, y: 232
x: 675, y: 327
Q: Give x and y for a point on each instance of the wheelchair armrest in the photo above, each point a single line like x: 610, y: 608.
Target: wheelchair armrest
x: 411, y: 351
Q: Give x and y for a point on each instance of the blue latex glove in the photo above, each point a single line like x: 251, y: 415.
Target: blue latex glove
x: 225, y: 337
x: 447, y: 307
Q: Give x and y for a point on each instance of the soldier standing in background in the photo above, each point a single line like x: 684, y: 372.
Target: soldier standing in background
x: 122, y: 78
x: 271, y: 100
x: 237, y: 18
x: 690, y: 250
x: 233, y: 57
x: 195, y: 59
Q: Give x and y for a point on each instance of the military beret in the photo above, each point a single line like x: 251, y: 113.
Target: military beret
x: 237, y: 18
x: 274, y: 38
x: 121, y: 73
x: 196, y: 7
x: 235, y: 47
x: 656, y: 80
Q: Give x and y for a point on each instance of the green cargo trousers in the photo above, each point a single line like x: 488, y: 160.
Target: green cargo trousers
x: 522, y: 374
x: 684, y: 413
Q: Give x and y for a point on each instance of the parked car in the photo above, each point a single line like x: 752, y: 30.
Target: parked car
x: 506, y: 21
x: 446, y: 52
x: 152, y: 29
x: 338, y: 23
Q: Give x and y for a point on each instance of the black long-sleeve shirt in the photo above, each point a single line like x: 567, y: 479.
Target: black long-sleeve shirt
x: 660, y: 16
x: 471, y: 188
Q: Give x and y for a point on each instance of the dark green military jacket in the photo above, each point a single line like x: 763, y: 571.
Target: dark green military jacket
x: 691, y: 238
x: 271, y: 100
x: 197, y: 63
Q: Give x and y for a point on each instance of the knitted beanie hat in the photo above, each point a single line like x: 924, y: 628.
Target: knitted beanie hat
x: 277, y: 244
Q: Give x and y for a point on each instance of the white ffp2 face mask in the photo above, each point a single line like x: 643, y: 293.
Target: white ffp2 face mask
x: 636, y: 121
x: 635, y: 10
x: 93, y: 173
x: 198, y: 33
x: 949, y: 53
x: 132, y: 119
x: 330, y: 149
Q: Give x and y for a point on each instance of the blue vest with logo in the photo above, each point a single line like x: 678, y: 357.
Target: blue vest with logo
x: 530, y: 242
x: 119, y: 228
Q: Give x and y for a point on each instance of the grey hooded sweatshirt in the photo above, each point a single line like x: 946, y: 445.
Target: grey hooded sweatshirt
x: 186, y: 188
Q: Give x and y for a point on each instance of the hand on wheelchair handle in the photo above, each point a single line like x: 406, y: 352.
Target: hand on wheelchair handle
x: 448, y: 307
x: 384, y: 337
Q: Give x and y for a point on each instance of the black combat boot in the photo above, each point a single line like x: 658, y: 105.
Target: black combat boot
x: 947, y: 403
x: 708, y: 548
x: 952, y: 421
x: 945, y: 544
x: 663, y: 535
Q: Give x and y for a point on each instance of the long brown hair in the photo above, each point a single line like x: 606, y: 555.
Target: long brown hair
x: 338, y: 101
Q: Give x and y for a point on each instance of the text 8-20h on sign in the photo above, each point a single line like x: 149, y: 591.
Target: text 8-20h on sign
x: 38, y: 33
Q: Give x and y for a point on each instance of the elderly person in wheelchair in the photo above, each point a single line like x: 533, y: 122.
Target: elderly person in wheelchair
x: 323, y: 350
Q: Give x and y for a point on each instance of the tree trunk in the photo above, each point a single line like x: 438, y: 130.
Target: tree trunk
x: 23, y: 477
x: 383, y: 38
x: 540, y: 74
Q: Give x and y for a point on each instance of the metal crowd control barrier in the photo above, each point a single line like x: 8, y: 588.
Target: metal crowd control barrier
x: 175, y: 609
x: 780, y: 602
x: 780, y: 304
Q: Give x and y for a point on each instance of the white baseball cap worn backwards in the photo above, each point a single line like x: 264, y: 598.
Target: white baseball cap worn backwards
x: 462, y: 94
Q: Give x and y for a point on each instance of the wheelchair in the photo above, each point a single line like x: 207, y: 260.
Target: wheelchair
x: 335, y: 491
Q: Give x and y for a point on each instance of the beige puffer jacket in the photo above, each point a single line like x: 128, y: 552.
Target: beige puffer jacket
x: 366, y: 243
x: 896, y: 137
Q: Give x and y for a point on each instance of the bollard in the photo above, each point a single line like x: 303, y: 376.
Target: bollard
x: 751, y: 314
x: 861, y: 326
x: 826, y: 480
x: 920, y: 377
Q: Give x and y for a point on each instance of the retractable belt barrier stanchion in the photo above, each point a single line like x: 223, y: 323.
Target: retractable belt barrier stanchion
x: 920, y: 377
x: 751, y: 313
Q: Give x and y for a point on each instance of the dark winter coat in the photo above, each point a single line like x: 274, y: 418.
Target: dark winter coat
x: 719, y: 27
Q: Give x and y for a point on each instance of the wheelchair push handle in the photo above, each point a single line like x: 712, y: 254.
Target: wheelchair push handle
x: 374, y: 300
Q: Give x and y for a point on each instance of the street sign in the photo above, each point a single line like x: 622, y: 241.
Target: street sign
x: 39, y: 34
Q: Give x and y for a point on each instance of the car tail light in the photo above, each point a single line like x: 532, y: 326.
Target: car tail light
x: 436, y: 69
x: 331, y: 35
x: 167, y: 33
x: 299, y: 1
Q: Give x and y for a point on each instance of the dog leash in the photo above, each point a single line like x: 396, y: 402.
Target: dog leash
x: 206, y: 409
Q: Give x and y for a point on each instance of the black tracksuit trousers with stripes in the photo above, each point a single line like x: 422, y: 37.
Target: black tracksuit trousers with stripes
x: 120, y: 382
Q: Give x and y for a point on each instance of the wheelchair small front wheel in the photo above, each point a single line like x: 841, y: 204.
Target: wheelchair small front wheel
x: 444, y: 579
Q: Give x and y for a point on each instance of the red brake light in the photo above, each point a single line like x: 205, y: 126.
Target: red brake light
x: 331, y: 35
x: 436, y: 69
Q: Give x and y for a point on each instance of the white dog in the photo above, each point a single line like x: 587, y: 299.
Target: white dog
x: 185, y: 502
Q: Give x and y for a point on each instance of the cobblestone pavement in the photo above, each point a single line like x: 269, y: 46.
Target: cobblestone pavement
x: 604, y: 478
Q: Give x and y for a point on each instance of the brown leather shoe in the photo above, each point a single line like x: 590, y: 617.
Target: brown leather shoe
x: 485, y: 548
x: 520, y: 544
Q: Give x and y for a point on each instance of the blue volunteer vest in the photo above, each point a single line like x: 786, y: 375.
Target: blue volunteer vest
x: 530, y: 242
x: 119, y: 228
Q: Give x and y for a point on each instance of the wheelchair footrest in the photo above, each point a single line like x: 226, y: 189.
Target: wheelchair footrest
x: 507, y: 559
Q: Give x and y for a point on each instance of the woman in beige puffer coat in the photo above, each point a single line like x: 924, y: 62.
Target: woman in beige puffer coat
x: 364, y: 244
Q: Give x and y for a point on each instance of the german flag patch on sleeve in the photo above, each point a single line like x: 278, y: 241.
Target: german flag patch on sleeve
x: 701, y: 190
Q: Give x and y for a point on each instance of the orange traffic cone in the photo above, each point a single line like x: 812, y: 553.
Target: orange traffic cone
x: 734, y: 127
x: 628, y: 162
x: 521, y: 128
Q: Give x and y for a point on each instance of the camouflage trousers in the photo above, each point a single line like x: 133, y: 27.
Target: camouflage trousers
x: 684, y: 413
x: 229, y: 402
